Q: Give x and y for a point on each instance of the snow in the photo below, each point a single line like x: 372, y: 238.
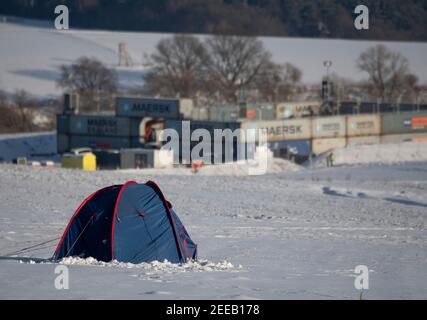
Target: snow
x: 375, y: 153
x: 156, y: 266
x: 282, y: 235
x: 240, y: 168
x: 34, y: 51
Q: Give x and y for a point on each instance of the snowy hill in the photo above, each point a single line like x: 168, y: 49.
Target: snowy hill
x: 34, y: 51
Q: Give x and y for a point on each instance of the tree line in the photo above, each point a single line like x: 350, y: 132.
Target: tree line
x: 389, y: 19
x: 217, y: 70
x: 229, y: 69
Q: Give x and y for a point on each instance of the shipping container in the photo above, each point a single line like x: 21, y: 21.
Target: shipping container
x: 398, y: 123
x: 200, y: 113
x: 137, y: 142
x: 63, y: 143
x: 280, y: 130
x: 287, y: 110
x: 297, y: 147
x: 100, y: 126
x: 363, y: 125
x: 325, y: 145
x: 147, y: 107
x: 401, y: 138
x: 223, y: 113
x: 145, y: 158
x: 329, y: 127
x: 99, y: 142
x: 210, y: 126
x: 136, y: 127
x: 107, y: 159
x: 365, y: 140
x: 62, y: 124
x: 262, y: 111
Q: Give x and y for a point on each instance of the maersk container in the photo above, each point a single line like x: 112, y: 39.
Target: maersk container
x: 147, y: 107
x: 63, y: 143
x: 363, y: 125
x: 99, y: 142
x: 62, y: 124
x: 407, y: 122
x: 401, y: 138
x: 365, y: 140
x: 279, y: 130
x: 326, y: 145
x: 99, y: 126
x: 328, y: 127
x: 296, y: 147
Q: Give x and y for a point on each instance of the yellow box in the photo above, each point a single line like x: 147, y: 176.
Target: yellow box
x: 85, y: 161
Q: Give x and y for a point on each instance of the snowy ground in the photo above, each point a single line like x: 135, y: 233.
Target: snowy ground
x: 34, y: 51
x: 389, y: 153
x: 286, y: 235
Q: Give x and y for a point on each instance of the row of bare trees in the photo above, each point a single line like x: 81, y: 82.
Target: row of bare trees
x: 389, y: 77
x: 221, y: 67
x: 17, y: 114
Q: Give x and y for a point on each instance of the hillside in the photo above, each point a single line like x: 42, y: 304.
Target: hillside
x: 389, y: 20
x: 34, y: 51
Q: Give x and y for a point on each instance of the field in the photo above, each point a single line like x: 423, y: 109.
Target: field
x: 289, y: 235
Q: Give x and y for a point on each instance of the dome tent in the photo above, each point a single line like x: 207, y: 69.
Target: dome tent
x: 129, y: 223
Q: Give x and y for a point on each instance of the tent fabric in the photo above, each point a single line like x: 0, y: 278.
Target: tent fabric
x: 130, y: 223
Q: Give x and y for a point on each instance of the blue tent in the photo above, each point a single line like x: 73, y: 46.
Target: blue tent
x: 130, y: 223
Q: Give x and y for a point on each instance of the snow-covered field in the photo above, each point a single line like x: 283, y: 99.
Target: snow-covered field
x: 288, y: 235
x: 31, y: 53
x: 389, y: 153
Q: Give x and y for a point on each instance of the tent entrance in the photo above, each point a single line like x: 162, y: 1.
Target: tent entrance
x: 90, y: 232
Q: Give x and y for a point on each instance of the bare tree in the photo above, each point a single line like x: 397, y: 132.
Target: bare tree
x: 277, y: 82
x: 412, y: 89
x: 234, y: 63
x: 9, y: 118
x: 25, y: 107
x: 91, y: 79
x: 387, y: 70
x: 176, y: 66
